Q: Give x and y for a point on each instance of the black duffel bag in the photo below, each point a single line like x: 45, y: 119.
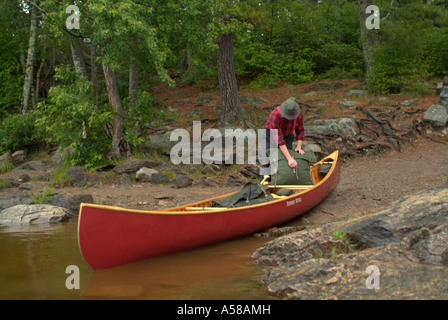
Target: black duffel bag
x: 251, y: 193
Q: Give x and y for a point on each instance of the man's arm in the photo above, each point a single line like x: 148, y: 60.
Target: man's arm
x: 299, y: 147
x: 291, y: 161
x: 300, y: 134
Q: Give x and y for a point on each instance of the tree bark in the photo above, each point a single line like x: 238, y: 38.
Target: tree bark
x: 115, y: 102
x: 39, y: 72
x: 94, y: 74
x: 27, y: 86
x: 191, y: 68
x: 133, y: 77
x: 133, y: 72
x: 368, y: 37
x: 78, y: 59
x: 133, y: 88
x: 230, y: 100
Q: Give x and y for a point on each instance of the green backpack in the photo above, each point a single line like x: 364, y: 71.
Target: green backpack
x: 251, y: 193
x: 284, y: 175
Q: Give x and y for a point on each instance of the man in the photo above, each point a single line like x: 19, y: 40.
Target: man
x: 285, y: 120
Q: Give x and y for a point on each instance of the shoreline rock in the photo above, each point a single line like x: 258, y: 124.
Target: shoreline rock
x: 33, y: 214
x: 407, y: 242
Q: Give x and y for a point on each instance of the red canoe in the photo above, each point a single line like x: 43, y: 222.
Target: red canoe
x: 110, y: 236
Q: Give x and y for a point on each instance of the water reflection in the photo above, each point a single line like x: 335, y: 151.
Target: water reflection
x: 221, y: 271
x: 34, y: 260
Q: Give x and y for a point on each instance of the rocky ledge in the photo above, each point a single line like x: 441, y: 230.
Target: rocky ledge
x: 20, y: 208
x: 400, y: 252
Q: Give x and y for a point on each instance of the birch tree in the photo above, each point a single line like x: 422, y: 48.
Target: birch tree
x: 29, y: 71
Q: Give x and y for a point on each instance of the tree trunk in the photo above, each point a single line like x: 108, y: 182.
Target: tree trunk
x: 30, y: 62
x: 115, y: 102
x: 78, y: 59
x: 230, y: 100
x: 368, y: 37
x: 133, y: 72
x: 191, y: 68
x: 133, y: 88
x: 133, y: 77
x: 94, y: 74
x: 39, y: 71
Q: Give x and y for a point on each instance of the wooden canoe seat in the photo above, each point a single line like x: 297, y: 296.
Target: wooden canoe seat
x: 294, y: 187
x: 203, y: 208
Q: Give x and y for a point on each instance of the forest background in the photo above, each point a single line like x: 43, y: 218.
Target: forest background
x: 89, y: 87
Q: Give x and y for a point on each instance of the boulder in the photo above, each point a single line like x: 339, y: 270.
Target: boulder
x: 436, y: 115
x: 182, y: 181
x: 24, y: 178
x: 408, y: 103
x: 144, y: 174
x: 132, y: 165
x: 71, y: 202
x: 235, y: 180
x: 18, y: 157
x: 8, y: 182
x: 14, y: 198
x: 316, y: 149
x: 162, y: 141
x: 160, y: 178
x: 346, y: 127
x: 32, y: 185
x: 34, y: 165
x: 443, y: 95
x: 348, y: 104
x: 33, y: 214
x: 125, y: 180
x: 78, y: 175
x: 357, y: 93
x: 400, y: 252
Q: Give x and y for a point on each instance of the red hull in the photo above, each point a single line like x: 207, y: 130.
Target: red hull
x: 111, y: 236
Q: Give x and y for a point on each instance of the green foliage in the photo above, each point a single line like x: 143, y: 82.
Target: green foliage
x: 59, y: 177
x: 44, y: 196
x: 69, y: 118
x: 281, y: 41
x: 130, y: 29
x: 6, y: 166
x: 268, y: 67
x: 139, y: 111
x: 18, y: 131
x: 411, y: 46
x: 11, y: 80
x: 297, y: 42
x: 13, y: 25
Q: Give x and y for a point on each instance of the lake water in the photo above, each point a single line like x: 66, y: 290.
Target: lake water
x: 33, y: 262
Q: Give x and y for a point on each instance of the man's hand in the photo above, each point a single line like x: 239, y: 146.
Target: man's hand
x: 292, y: 162
x: 299, y: 150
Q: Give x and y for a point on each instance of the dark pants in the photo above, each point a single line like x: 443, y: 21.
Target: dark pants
x: 288, y: 141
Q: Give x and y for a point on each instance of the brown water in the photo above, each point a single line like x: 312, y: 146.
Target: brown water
x: 33, y: 262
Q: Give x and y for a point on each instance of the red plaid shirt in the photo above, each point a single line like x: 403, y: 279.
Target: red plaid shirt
x: 285, y: 126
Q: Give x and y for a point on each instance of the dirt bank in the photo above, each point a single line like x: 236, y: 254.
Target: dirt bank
x: 370, y: 183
